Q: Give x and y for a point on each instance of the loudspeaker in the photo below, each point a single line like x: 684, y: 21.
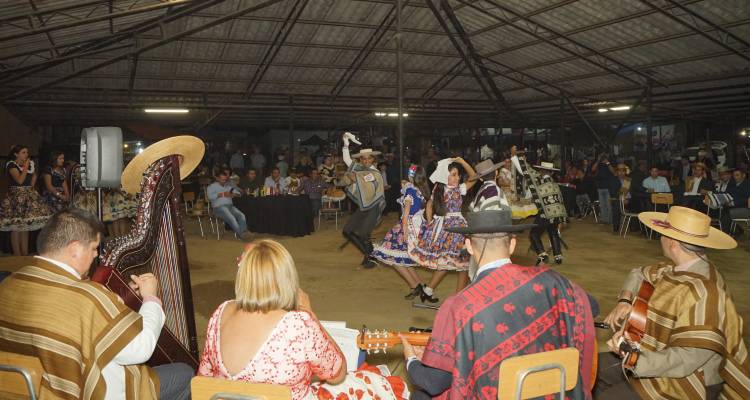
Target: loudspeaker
x: 101, y: 157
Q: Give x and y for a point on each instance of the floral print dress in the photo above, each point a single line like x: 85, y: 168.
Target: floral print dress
x: 435, y: 248
x: 23, y: 209
x: 394, y: 250
x: 296, y: 350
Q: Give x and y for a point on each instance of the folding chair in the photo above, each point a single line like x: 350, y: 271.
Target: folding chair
x: 625, y: 218
x: 20, y: 375
x: 715, y: 220
x: 538, y: 374
x: 204, y: 388
x: 328, y: 208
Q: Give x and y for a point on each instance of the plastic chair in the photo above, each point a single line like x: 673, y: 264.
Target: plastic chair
x: 20, y: 375
x: 715, y: 220
x: 204, y: 388
x: 625, y: 218
x: 538, y: 374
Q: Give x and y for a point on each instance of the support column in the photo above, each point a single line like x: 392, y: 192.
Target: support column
x: 649, y: 138
x: 400, y: 94
x: 563, y: 138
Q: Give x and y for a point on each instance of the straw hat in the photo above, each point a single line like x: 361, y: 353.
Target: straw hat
x: 484, y: 168
x: 689, y: 226
x: 366, y: 152
x: 546, y: 165
x: 189, y: 147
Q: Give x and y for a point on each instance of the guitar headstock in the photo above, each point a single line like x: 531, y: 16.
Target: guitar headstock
x: 375, y: 341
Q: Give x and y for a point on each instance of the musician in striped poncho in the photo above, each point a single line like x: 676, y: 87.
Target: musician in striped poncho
x: 90, y: 344
x: 692, y: 346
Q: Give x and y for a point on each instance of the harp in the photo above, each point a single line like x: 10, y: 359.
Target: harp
x: 156, y: 244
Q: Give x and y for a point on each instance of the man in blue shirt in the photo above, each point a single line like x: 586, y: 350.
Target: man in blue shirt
x: 655, y: 183
x: 220, y: 193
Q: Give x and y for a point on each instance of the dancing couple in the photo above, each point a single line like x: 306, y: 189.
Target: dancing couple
x: 421, y: 237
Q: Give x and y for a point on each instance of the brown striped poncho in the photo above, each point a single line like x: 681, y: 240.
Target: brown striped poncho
x: 74, y: 327
x: 691, y: 310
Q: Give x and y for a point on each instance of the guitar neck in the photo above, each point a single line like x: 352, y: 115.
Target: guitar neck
x: 415, y: 338
x: 381, y: 339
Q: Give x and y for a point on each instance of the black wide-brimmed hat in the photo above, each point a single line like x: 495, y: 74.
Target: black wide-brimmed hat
x: 490, y: 221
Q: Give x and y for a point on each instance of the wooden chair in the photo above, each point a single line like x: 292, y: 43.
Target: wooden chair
x: 538, y: 374
x: 20, y: 375
x: 328, y: 208
x: 663, y: 199
x: 204, y: 388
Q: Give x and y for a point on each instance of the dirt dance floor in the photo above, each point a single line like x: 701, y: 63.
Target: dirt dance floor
x: 341, y: 290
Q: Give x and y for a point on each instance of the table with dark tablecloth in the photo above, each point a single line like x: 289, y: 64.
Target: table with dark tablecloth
x: 277, y: 215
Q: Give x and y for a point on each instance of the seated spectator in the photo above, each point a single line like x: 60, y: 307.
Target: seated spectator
x: 305, y: 163
x: 269, y: 334
x: 251, y: 182
x: 89, y: 343
x: 655, y: 183
x: 740, y: 192
x: 328, y: 169
x: 696, y: 187
x: 639, y: 195
x: 275, y: 183
x: 293, y: 182
x: 313, y: 187
x: 725, y: 179
x: 220, y: 194
x: 490, y: 320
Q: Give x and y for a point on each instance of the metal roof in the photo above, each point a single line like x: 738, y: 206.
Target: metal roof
x: 325, y: 63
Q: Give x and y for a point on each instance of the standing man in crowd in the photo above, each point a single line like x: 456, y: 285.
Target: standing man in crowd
x: 605, y: 179
x: 313, y: 187
x: 220, y: 194
x: 258, y: 160
x: 237, y: 162
x: 89, y: 343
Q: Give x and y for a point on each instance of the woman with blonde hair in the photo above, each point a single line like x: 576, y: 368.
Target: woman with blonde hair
x: 269, y: 334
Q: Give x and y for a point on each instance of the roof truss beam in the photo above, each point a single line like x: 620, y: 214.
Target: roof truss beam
x: 559, y: 40
x: 261, y: 69
x: 722, y: 40
x: 141, y: 49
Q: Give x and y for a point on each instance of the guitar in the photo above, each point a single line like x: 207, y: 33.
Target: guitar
x: 377, y: 340
x: 635, y: 327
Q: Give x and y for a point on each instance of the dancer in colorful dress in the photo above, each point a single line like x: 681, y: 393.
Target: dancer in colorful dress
x: 394, y: 250
x: 55, y: 189
x: 23, y: 209
x: 434, y: 247
x: 118, y: 209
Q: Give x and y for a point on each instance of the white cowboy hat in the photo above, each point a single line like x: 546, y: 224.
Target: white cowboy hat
x: 190, y: 148
x: 366, y: 152
x: 547, y: 165
x: 688, y: 226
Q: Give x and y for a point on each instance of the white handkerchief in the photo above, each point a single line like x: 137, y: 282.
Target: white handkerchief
x: 441, y: 171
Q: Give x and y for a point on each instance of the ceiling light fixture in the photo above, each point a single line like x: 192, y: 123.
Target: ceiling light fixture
x: 743, y: 133
x: 603, y: 110
x: 619, y: 108
x: 166, y: 110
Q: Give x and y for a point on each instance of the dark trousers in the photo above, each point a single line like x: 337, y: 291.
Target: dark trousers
x: 174, y: 381
x: 360, y: 226
x: 611, y: 382
x: 543, y: 225
x: 316, y: 205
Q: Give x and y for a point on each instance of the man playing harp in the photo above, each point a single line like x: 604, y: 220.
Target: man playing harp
x: 90, y: 345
